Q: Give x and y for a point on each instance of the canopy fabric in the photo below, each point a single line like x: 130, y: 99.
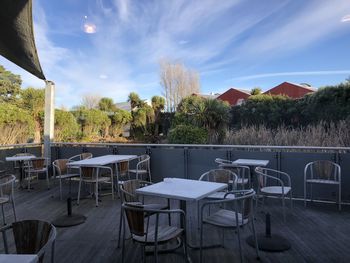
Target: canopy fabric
x: 17, y: 37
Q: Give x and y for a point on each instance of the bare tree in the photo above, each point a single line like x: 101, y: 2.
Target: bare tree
x: 90, y: 101
x: 178, y: 82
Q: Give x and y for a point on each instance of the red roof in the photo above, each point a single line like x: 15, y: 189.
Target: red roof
x: 291, y: 90
x: 234, y: 96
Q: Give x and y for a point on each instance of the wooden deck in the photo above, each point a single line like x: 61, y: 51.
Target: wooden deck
x: 318, y: 233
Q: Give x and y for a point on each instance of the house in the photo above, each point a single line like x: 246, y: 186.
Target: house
x: 234, y: 96
x: 291, y: 90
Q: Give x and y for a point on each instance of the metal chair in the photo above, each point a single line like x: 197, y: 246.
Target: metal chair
x: 62, y: 172
x: 3, y: 168
x: 142, y: 167
x: 147, y: 234
x: 78, y: 157
x: 7, y: 194
x: 242, y: 172
x: 92, y: 175
x: 128, y: 195
x: 31, y: 237
x: 35, y: 167
x: 322, y: 172
x: 274, y: 183
x: 243, y: 212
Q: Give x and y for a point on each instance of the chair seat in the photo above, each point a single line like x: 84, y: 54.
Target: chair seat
x: 322, y: 181
x: 165, y: 233
x: 155, y: 206
x: 100, y: 179
x: 225, y: 218
x: 138, y: 171
x: 275, y: 190
x: 64, y: 176
x: 4, y: 199
x: 36, y: 170
x: 220, y: 195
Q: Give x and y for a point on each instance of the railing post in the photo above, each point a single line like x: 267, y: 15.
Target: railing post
x: 186, y: 153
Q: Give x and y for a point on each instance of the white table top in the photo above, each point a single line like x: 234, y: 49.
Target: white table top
x: 16, y: 258
x: 102, y: 160
x: 251, y: 162
x: 182, y: 189
x: 19, y: 158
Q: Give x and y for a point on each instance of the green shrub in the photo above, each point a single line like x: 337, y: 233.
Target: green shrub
x: 186, y: 134
x: 16, y: 125
x: 66, y: 126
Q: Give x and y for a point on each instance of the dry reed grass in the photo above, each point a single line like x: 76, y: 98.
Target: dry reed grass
x: 323, y: 134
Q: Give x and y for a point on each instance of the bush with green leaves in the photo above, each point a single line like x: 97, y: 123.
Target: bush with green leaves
x: 66, y: 126
x: 186, y: 134
x: 94, y: 123
x: 16, y: 124
x: 119, y: 119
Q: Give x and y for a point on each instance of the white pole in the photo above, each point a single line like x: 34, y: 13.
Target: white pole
x: 49, y: 117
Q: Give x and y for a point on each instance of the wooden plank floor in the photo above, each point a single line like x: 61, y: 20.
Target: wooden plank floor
x: 318, y: 233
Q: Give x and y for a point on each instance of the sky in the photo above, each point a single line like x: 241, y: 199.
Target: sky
x: 109, y: 48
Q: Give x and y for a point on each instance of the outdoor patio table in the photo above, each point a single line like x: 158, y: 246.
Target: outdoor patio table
x: 17, y: 258
x: 183, y: 190
x: 103, y: 160
x: 252, y: 163
x: 20, y: 160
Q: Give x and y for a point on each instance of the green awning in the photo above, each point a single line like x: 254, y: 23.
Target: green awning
x: 17, y: 37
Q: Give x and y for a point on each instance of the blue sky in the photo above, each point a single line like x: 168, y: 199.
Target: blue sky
x: 238, y: 43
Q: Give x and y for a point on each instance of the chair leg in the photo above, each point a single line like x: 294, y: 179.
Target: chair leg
x: 184, y: 244
x: 305, y: 194
x: 239, y: 239
x: 284, y: 209
x: 3, y: 214
x: 201, y: 243
x: 60, y: 189
x: 53, y: 252
x: 78, y: 199
x: 120, y: 226
x: 47, y: 180
x: 123, y: 240
x: 96, y: 193
x: 13, y: 208
x: 339, y: 197
x: 255, y: 239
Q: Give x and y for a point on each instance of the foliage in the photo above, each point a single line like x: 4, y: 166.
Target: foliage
x: 16, y: 125
x: 255, y: 91
x: 94, y: 122
x: 266, y: 109
x: 187, y: 134
x: 158, y: 104
x: 119, y: 119
x: 33, y: 100
x: 106, y: 104
x: 66, y: 126
x: 10, y: 85
x: 210, y: 114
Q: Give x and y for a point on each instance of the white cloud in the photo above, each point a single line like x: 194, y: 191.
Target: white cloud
x: 294, y: 73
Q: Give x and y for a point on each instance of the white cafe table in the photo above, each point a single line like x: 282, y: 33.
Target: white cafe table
x: 18, y: 258
x: 251, y: 162
x: 183, y: 190
x: 102, y: 161
x: 20, y: 159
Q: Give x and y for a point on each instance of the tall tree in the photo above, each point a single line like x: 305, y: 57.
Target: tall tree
x: 33, y: 100
x: 10, y: 85
x: 178, y: 82
x: 90, y: 101
x: 158, y: 104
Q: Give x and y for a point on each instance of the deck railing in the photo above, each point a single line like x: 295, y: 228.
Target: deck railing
x: 190, y: 161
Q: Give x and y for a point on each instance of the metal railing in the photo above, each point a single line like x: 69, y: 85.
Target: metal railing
x: 190, y: 161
